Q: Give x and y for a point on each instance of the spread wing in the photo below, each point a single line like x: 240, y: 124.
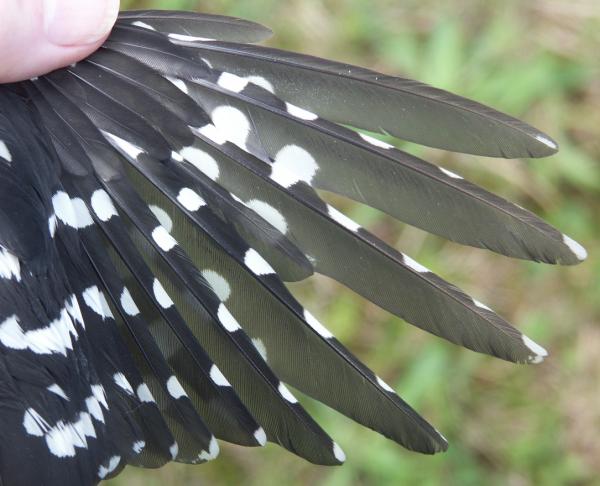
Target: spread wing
x: 157, y: 196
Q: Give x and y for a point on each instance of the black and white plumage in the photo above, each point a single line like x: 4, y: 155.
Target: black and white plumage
x: 154, y: 198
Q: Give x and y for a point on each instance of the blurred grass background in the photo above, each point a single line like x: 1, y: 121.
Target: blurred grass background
x: 507, y: 424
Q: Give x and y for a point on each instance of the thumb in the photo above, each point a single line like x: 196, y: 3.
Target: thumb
x: 38, y: 36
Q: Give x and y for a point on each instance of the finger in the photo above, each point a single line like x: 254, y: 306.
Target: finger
x: 39, y: 36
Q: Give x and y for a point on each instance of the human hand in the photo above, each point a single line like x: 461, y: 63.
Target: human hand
x: 38, y: 36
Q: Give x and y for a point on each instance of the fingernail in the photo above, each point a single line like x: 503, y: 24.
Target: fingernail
x: 78, y: 22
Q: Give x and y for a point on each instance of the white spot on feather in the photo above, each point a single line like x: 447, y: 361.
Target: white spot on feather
x: 578, y: 250
x: 57, y: 390
x: 256, y: 263
x: 316, y: 325
x: 213, y: 451
x: 218, y: 377
x: 93, y: 407
x: 163, y: 217
x: 63, y: 209
x: 163, y: 239
x: 122, y: 382
x: 144, y: 394
x: 189, y: 38
x: 375, y: 141
x: 269, y: 214
x: 219, y: 285
x: 72, y: 306
x: 232, y: 124
x: 174, y: 388
x: 138, y: 446
x: 102, y: 205
x: 174, y: 450
x: 59, y: 440
x: 98, y: 391
x: 416, y: 266
x: 260, y: 347
x: 227, y: 319
x: 179, y: 83
x: 260, y: 436
x: 10, y: 266
x: 481, y: 305
x: 139, y: 23
x: 62, y: 438
x: 341, y: 218
x: 52, y: 225
x: 161, y: 295
x: 546, y: 141
x: 4, y: 152
x: 300, y: 112
x: 82, y: 214
x: 113, y: 463
x: 384, y: 385
x: 127, y: 148
x: 232, y: 82
x: 84, y: 218
x: 286, y: 393
x: 338, y: 452
x: 34, y: 424
x: 210, y: 131
x: 449, y: 173
x: 190, y: 199
x: 293, y: 164
x: 55, y: 338
x: 203, y: 161
x: 128, y: 303
x: 94, y: 300
x: 262, y: 82
x: 539, y: 353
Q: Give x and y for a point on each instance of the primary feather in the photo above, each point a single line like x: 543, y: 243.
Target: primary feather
x: 155, y: 198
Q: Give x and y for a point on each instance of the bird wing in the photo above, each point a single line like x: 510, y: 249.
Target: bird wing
x: 155, y: 199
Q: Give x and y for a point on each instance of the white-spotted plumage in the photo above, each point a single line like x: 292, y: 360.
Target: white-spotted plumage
x: 57, y: 390
x: 218, y: 377
x: 269, y: 214
x: 163, y: 217
x: 190, y: 199
x: 144, y: 393
x: 103, y: 205
x: 226, y: 319
x: 55, y: 338
x: 261, y: 348
x: 287, y: 394
x: 128, y: 304
x: 169, y: 161
x: 122, y: 382
x: 293, y: 164
x: 160, y: 294
x: 175, y: 389
x: 218, y: 284
x: 4, y: 152
x: 9, y: 265
x: 232, y: 124
x: 202, y: 161
x: 163, y: 239
x: 375, y: 141
x: 256, y: 263
x: 300, y: 112
x: 112, y: 464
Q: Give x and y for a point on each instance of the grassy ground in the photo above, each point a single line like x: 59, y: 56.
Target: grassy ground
x: 507, y: 424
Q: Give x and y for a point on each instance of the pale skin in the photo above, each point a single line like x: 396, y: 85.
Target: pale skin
x: 38, y: 36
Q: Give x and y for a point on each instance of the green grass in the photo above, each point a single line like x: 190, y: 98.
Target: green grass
x: 506, y: 424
